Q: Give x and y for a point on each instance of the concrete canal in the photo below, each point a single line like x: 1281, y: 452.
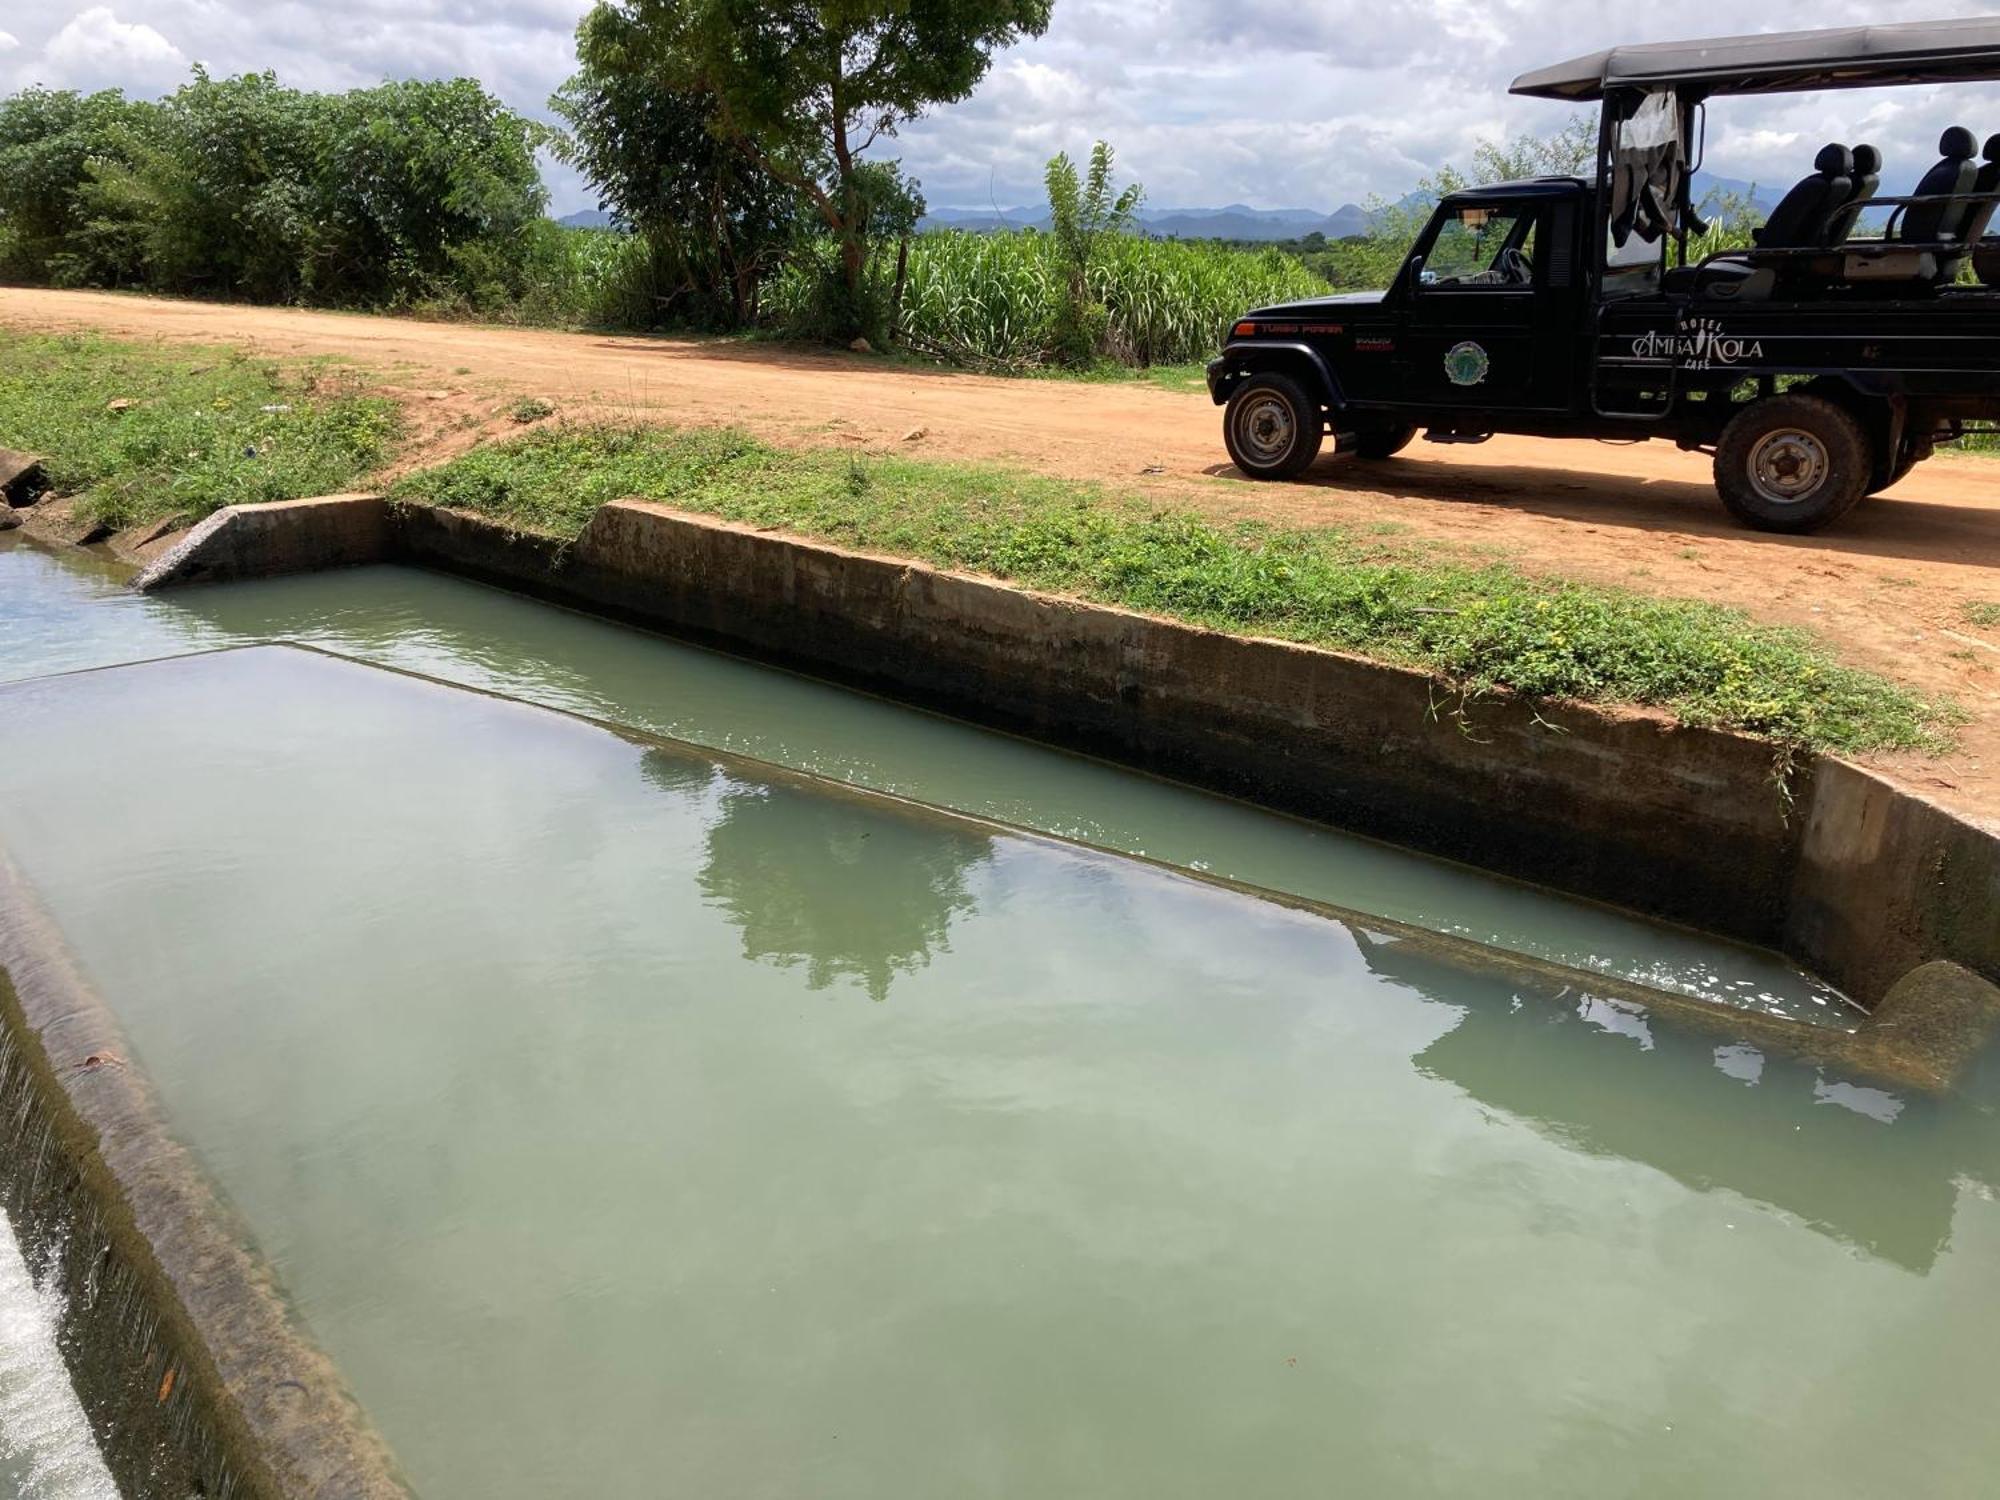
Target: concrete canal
x: 669, y: 1112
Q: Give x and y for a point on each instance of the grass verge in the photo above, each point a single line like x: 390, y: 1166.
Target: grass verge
x: 141, y: 432
x: 1483, y: 628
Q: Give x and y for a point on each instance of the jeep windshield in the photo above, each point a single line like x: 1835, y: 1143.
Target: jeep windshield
x: 1481, y: 245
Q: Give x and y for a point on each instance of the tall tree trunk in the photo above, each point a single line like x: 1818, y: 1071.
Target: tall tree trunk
x: 896, y: 297
x: 853, y: 253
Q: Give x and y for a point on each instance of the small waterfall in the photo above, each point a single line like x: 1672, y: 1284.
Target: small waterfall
x: 122, y: 1407
x: 46, y: 1444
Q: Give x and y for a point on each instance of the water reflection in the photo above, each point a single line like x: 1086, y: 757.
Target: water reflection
x: 485, y: 638
x: 849, y: 888
x: 1873, y: 1169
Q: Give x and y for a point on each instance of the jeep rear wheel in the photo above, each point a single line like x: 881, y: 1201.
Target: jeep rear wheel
x: 1271, y: 427
x: 1793, y: 463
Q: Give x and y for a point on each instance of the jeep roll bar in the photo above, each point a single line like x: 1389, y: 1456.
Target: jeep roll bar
x: 1628, y: 80
x: 1840, y: 57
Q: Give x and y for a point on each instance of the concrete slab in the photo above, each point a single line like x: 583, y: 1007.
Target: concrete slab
x: 289, y: 536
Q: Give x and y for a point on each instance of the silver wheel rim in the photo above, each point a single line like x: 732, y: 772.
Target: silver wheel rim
x: 1788, y: 466
x: 1266, y: 429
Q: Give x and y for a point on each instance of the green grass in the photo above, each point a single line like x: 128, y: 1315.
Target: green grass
x: 204, y: 428
x: 1982, y: 613
x: 1483, y: 628
x: 1192, y: 376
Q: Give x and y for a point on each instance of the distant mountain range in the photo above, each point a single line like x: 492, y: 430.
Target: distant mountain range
x: 1241, y: 222
x: 1762, y: 196
x: 1238, y: 221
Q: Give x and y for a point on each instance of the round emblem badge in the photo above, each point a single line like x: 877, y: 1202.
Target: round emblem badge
x: 1466, y: 364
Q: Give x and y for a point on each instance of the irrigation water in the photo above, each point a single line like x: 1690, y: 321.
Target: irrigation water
x: 624, y: 1118
x: 67, y: 611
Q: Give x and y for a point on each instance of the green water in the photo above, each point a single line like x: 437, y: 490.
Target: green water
x: 63, y: 611
x: 625, y: 1124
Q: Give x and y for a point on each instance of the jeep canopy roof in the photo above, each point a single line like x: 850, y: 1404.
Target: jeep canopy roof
x: 1783, y: 61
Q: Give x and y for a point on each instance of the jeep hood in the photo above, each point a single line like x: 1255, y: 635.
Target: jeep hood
x: 1312, y: 305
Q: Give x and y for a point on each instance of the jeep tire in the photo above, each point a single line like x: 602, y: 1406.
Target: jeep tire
x: 1272, y: 428
x: 1793, y: 463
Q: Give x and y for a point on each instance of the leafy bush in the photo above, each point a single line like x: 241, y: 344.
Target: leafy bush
x: 49, y: 142
x: 243, y: 187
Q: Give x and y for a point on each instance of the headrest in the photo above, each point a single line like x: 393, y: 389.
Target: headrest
x: 1833, y: 160
x: 1992, y: 151
x: 1957, y: 143
x: 1868, y: 159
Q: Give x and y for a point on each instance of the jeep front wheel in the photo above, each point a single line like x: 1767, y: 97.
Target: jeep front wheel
x: 1271, y: 427
x: 1793, y: 463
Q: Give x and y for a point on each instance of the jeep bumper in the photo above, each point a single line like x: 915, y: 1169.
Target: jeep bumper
x: 1222, y: 373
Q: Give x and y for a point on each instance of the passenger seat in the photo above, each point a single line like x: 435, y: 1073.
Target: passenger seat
x: 1955, y: 173
x: 1867, y: 178
x: 1801, y: 221
x: 1981, y: 214
x: 1923, y: 223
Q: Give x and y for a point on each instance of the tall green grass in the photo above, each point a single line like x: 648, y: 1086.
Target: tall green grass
x: 994, y: 297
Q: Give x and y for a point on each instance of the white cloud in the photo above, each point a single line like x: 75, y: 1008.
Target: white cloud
x: 1274, y: 103
x: 96, y: 49
x: 8, y: 41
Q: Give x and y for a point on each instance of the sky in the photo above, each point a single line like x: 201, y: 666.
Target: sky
x: 1273, y: 103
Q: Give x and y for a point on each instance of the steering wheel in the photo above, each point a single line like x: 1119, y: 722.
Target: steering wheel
x: 1515, y: 267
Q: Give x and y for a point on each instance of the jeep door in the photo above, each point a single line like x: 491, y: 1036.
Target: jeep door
x: 1485, y: 329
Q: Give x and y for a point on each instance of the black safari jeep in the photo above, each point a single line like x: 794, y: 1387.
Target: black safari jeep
x: 1817, y: 366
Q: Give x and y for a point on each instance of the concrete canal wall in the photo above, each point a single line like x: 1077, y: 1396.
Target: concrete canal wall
x: 1855, y: 877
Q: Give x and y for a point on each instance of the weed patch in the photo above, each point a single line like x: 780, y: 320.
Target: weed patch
x: 142, y: 432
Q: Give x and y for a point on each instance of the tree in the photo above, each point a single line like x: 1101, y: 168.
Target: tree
x: 412, y: 174
x: 1567, y: 153
x: 715, y: 222
x: 49, y: 141
x: 222, y: 191
x: 1081, y: 212
x: 808, y: 86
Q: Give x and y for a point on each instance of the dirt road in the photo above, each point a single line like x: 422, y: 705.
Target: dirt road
x: 1895, y: 588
